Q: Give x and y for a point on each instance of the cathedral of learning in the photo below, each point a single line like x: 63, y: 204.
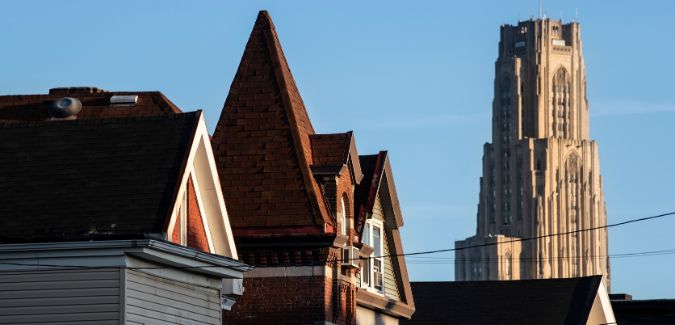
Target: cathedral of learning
x: 541, y: 172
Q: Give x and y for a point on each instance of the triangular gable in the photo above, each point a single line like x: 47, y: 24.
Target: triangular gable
x: 199, y: 188
x: 379, y: 184
x: 601, y: 312
x: 262, y: 141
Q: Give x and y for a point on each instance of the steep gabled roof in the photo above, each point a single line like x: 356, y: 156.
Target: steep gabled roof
x: 547, y: 301
x: 262, y: 141
x: 378, y: 182
x: 95, y: 104
x: 89, y: 177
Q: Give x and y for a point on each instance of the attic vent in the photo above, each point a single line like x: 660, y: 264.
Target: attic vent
x: 123, y: 100
x: 65, y: 108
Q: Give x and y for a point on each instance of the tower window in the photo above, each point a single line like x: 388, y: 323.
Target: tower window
x: 559, y: 42
x: 538, y: 164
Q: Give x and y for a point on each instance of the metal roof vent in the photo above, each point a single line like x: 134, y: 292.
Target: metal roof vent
x: 65, y: 108
x: 117, y: 100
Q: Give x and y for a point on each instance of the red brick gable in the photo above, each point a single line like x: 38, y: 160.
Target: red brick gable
x: 94, y: 105
x: 196, y: 234
x: 330, y: 149
x: 262, y: 141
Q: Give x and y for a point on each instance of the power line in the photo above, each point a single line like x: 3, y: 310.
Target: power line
x: 538, y: 237
x: 664, y: 252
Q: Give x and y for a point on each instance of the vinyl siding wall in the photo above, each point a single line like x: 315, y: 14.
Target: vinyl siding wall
x: 390, y: 286
x: 89, y: 296
x: 152, y: 299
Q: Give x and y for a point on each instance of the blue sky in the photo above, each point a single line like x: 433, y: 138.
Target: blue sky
x: 414, y: 78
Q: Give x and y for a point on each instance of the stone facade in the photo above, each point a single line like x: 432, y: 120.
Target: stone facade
x: 541, y: 173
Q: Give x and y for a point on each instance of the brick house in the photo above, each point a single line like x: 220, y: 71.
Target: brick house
x: 305, y: 206
x: 319, y: 222
x: 111, y: 218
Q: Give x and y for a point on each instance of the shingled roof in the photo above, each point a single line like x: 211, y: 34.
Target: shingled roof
x: 95, y: 104
x: 88, y: 177
x: 550, y: 301
x: 262, y: 141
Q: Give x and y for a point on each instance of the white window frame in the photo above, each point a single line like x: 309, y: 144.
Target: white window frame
x: 343, y: 218
x: 368, y: 265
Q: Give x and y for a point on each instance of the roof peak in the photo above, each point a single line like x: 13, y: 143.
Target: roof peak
x: 264, y: 131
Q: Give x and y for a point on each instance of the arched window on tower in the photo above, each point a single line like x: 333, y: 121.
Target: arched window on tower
x: 538, y: 164
x: 560, y: 108
x: 507, y: 266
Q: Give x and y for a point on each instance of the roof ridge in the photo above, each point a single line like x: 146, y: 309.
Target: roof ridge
x: 103, y: 120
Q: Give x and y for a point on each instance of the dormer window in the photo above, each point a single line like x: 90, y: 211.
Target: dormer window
x: 372, y: 272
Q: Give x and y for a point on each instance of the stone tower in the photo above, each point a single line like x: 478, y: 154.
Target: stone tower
x: 541, y: 173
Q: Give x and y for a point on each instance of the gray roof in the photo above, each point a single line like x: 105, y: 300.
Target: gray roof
x: 90, y: 177
x: 549, y: 301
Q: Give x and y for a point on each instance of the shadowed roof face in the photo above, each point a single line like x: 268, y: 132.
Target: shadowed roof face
x: 329, y: 149
x: 90, y: 177
x: 549, y: 301
x: 368, y: 165
x: 262, y: 141
x: 94, y: 105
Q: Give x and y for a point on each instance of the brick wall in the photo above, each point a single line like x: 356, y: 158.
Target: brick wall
x: 196, y: 235
x: 293, y: 300
x: 175, y: 236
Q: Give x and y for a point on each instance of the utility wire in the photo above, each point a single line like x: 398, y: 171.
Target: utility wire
x: 417, y: 253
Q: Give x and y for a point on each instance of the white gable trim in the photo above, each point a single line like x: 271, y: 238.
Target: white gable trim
x: 601, y: 312
x: 202, y: 166
x: 205, y: 222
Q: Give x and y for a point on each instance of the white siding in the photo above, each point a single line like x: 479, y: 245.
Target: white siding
x: 152, y: 299
x: 83, y: 296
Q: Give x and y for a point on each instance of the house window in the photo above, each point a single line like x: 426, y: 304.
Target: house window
x: 372, y: 273
x: 343, y: 218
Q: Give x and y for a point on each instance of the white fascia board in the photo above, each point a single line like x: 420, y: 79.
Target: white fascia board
x: 606, y: 304
x: 161, y: 252
x: 201, y: 164
x: 204, y: 165
x: 202, y: 214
